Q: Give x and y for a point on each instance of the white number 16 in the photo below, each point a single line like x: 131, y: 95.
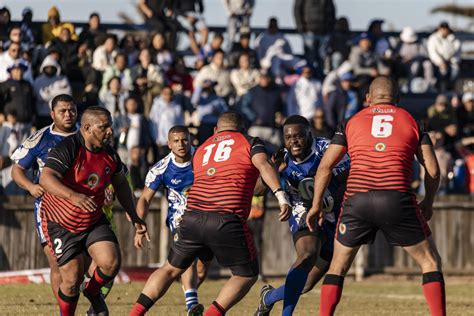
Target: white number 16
x: 381, y: 126
x: 222, y: 152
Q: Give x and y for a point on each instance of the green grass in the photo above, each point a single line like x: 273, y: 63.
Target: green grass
x: 376, y: 296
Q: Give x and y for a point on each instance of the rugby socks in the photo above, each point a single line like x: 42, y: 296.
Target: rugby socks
x: 215, y: 310
x: 435, y: 295
x: 294, y: 284
x: 331, y: 292
x: 274, y: 295
x: 143, y: 304
x: 98, y: 280
x: 67, y: 304
x: 191, y: 297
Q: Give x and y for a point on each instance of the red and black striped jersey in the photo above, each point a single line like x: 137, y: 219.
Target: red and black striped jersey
x: 382, y: 141
x: 84, y: 172
x: 224, y: 175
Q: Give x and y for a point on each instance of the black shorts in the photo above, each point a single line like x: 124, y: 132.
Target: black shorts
x: 66, y: 245
x: 225, y: 235
x: 395, y: 213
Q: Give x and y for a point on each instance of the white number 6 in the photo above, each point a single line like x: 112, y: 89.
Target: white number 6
x: 381, y: 126
x: 58, y: 244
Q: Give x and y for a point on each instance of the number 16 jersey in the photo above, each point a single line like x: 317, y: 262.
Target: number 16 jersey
x: 382, y: 141
x: 224, y: 175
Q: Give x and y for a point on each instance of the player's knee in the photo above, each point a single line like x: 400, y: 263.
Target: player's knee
x: 111, y: 268
x: 171, y: 271
x: 305, y: 260
x: 72, y: 283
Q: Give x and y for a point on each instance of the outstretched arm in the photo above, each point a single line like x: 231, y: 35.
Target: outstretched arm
x: 427, y: 159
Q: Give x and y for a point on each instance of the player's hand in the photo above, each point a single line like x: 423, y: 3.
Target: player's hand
x: 278, y: 159
x: 36, y: 190
x: 426, y: 209
x: 285, y: 205
x: 285, y: 212
x: 141, y: 231
x: 84, y: 202
x: 315, y: 215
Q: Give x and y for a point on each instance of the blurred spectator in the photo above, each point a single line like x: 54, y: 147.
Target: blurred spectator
x: 262, y: 108
x: 305, y: 95
x: 129, y: 47
x: 5, y: 24
x: 445, y: 160
x: 29, y: 33
x: 412, y: 59
x: 68, y: 50
x: 319, y: 127
x: 179, y: 79
x: 206, y: 52
x: 331, y: 80
x: 465, y: 148
x: 442, y: 118
x: 239, y: 13
x: 315, y: 19
x: 165, y: 113
x: 342, y: 103
x: 444, y: 50
x: 190, y: 18
x: 160, y: 53
x: 113, y: 97
x: 158, y: 18
x: 90, y: 76
x: 243, y: 46
x: 17, y: 94
x: 244, y: 78
x: 11, y: 56
x: 16, y: 36
x: 104, y: 54
x: 46, y: 86
x: 207, y: 109
x: 214, y: 72
x: 118, y: 69
x: 93, y: 33
x: 380, y: 43
x: 53, y: 27
x: 465, y: 115
x: 339, y: 45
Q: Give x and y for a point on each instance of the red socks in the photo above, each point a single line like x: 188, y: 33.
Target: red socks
x: 98, y: 280
x: 331, y: 292
x: 143, y: 304
x: 435, y: 295
x: 138, y: 310
x: 67, y: 304
x: 215, y: 310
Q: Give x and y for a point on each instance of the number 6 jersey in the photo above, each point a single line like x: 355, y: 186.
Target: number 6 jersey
x: 382, y: 141
x: 224, y: 175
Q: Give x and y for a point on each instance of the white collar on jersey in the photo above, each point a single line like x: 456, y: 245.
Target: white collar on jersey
x: 62, y: 134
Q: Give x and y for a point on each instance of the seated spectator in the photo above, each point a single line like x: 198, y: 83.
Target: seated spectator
x: 380, y: 43
x: 104, y: 54
x: 68, y: 50
x: 118, y: 69
x: 16, y: 36
x: 46, y: 86
x: 244, y: 78
x: 93, y: 33
x: 411, y: 59
x: 179, y: 79
x: 189, y: 16
x: 238, y: 13
x: 319, y: 127
x: 215, y: 72
x: 158, y: 19
x: 465, y: 115
x: 342, y: 103
x: 243, y: 46
x: 16, y: 94
x: 160, y: 53
x: 444, y: 50
x: 206, y: 52
x: 442, y: 118
x: 331, y: 80
x: 129, y: 47
x: 339, y: 45
x: 165, y: 113
x: 305, y: 95
x: 53, y: 27
x: 10, y: 57
x: 113, y: 97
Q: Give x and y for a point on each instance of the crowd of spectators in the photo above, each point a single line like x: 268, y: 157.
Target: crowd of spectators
x: 145, y: 83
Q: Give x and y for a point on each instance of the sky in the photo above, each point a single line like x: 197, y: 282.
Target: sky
x: 396, y: 13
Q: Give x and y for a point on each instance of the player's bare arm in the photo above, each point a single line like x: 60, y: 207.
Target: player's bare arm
x: 427, y: 159
x: 331, y: 158
x: 50, y: 180
x: 20, y: 178
x: 143, y: 205
x: 279, y: 164
x: 270, y: 176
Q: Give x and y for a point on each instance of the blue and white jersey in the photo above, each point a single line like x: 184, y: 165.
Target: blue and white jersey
x: 177, y: 179
x: 298, y: 180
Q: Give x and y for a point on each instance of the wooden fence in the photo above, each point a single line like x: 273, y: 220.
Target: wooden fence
x: 452, y: 226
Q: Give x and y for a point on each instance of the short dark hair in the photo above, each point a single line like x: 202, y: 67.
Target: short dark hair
x: 296, y: 120
x: 219, y: 51
x: 94, y: 14
x: 178, y: 129
x: 61, y: 98
x: 232, y: 118
x: 112, y: 36
x: 218, y: 35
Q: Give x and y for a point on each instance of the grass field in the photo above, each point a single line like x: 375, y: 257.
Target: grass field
x: 376, y: 296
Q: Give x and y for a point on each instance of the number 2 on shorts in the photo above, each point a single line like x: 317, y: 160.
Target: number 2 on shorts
x: 58, y: 243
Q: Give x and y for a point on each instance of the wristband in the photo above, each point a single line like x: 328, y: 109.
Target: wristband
x: 277, y: 190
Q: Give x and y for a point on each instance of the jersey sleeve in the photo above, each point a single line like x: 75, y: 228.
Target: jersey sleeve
x: 120, y: 166
x: 339, y: 137
x: 256, y: 146
x: 154, y: 177
x: 61, y: 157
x: 25, y: 155
x: 424, y: 136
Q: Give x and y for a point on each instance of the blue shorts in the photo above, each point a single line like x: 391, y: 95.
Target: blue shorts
x: 37, y: 214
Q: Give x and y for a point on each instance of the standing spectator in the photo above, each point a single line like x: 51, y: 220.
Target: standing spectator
x: 46, y: 86
x: 158, y: 19
x: 160, y: 53
x: 238, y: 12
x: 16, y: 94
x: 411, y: 56
x: 5, y: 24
x: 68, y: 50
x: 215, y: 72
x: 305, y: 95
x: 11, y: 56
x: 93, y: 33
x: 319, y: 127
x: 244, y: 78
x: 444, y: 50
x: 380, y: 43
x: 104, y: 54
x: 165, y: 113
x: 339, y: 45
x: 189, y: 15
x: 315, y: 19
x: 53, y: 27
x: 113, y: 97
x: 29, y: 33
x: 118, y: 69
x: 243, y: 46
x: 465, y: 115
